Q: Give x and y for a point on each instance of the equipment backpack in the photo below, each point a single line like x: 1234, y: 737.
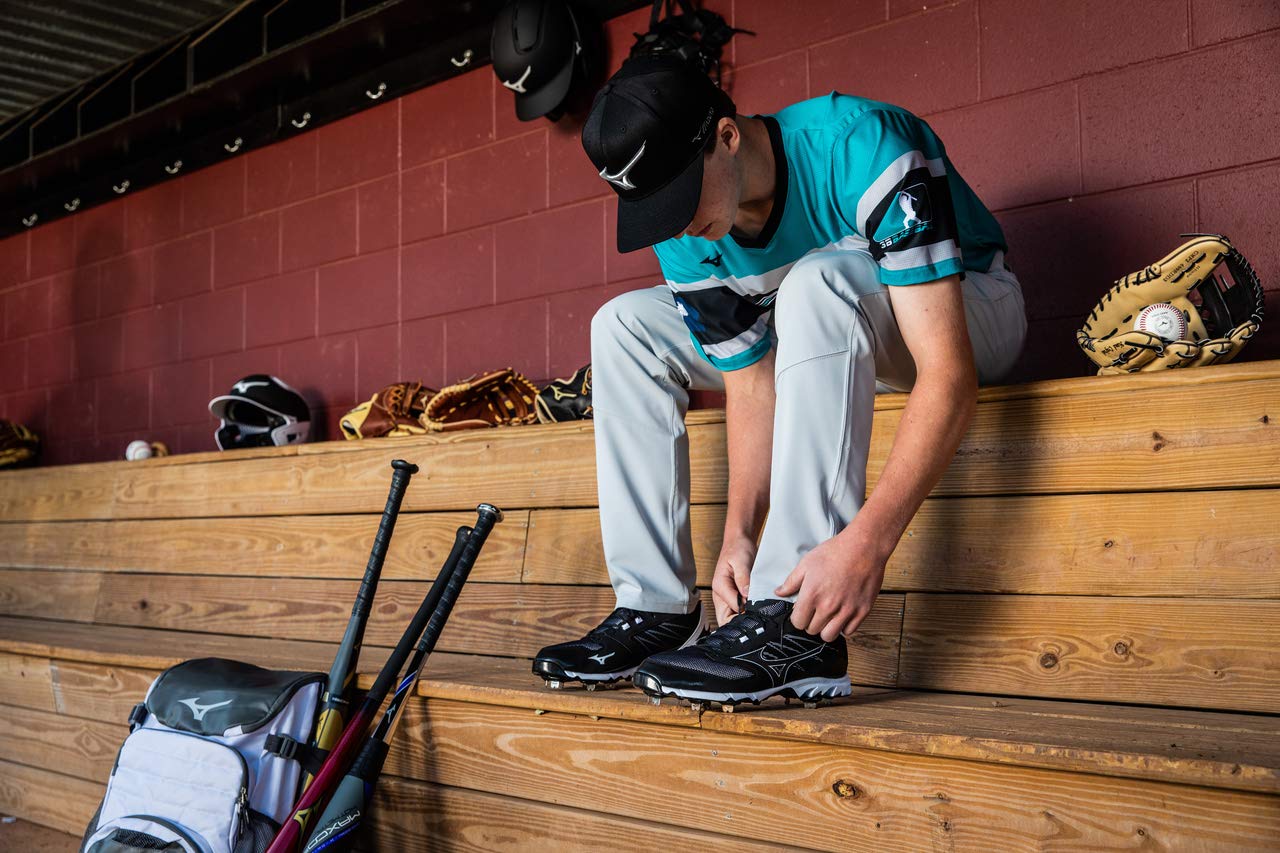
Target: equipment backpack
x: 212, y: 761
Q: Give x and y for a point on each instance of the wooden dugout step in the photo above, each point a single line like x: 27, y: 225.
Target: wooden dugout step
x: 105, y: 678
x: 1222, y: 545
x: 1200, y: 653
x: 408, y: 817
x: 1218, y: 429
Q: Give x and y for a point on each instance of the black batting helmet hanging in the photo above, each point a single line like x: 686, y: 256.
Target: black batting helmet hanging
x: 537, y: 52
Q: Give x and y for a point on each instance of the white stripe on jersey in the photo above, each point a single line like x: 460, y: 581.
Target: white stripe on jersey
x: 742, y: 342
x: 889, y: 178
x: 748, y: 285
x: 921, y: 256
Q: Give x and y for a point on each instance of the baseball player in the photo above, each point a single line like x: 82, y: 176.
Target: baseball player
x: 813, y: 257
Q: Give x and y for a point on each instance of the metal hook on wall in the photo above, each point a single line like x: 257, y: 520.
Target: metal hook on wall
x: 374, y: 95
x: 466, y: 59
x: 30, y: 220
x: 175, y: 168
x: 302, y: 122
x: 121, y: 187
x: 71, y: 206
x: 233, y: 147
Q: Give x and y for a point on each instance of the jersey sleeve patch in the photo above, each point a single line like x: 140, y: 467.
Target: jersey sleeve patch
x: 891, y: 167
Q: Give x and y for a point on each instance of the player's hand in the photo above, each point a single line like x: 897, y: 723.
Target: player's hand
x: 838, y: 582
x: 732, y: 577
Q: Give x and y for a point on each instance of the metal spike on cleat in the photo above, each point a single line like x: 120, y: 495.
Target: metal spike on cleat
x: 553, y: 683
x: 697, y: 707
x: 657, y: 700
x: 591, y: 686
x: 726, y: 707
x: 810, y: 703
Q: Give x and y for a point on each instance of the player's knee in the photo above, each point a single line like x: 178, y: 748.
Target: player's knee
x: 823, y: 281
x: 624, y: 311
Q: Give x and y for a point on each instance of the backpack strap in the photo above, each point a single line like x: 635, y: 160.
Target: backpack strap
x: 310, y: 757
x: 138, y: 715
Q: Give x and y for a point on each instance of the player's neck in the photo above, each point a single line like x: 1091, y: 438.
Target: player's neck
x: 758, y: 176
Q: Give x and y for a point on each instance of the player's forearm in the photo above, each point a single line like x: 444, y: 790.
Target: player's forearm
x: 749, y: 405
x: 937, y: 415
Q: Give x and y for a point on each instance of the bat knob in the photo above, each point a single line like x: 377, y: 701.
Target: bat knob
x: 490, y: 511
x: 402, y: 465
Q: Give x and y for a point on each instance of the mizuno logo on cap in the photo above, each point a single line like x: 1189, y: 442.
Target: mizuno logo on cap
x: 518, y: 86
x: 621, y: 177
x: 242, y: 386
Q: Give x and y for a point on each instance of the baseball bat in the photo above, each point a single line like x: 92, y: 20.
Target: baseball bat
x: 342, y: 673
x: 466, y: 547
x: 338, y: 823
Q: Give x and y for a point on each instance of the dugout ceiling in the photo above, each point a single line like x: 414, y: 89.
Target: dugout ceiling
x: 99, y: 98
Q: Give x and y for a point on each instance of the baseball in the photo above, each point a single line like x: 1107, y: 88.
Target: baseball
x: 1162, y: 320
x: 137, y: 449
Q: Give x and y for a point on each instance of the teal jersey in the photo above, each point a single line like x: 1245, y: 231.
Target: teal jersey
x: 851, y: 174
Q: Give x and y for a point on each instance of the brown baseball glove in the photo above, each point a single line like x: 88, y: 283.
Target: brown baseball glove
x: 18, y: 445
x: 395, y: 410
x: 498, y: 398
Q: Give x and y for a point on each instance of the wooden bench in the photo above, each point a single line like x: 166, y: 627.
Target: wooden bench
x: 1077, y: 645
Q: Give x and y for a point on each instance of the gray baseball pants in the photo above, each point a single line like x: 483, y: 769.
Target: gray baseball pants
x: 837, y: 344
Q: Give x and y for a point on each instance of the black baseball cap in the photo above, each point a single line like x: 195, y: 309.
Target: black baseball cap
x: 646, y: 133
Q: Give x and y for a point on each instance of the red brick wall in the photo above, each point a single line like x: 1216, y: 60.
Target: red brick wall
x: 436, y: 235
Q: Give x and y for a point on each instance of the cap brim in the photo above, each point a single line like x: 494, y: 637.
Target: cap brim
x: 663, y: 214
x: 538, y: 103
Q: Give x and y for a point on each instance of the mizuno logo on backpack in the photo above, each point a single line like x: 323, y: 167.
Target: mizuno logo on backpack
x: 198, y: 710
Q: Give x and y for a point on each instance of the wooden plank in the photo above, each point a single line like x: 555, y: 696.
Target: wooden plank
x: 1218, y: 544
x: 1210, y: 748
x: 510, y: 469
x: 33, y: 838
x: 1208, y: 654
x: 511, y: 620
x: 1223, y: 545
x: 1237, y: 751
x: 47, y: 798
x: 45, y: 595
x: 153, y: 649
x: 414, y: 817
x: 1149, y: 441
x: 1094, y: 386
x: 27, y: 682
x: 504, y: 681
x: 74, y: 746
x: 63, y: 491
x: 1215, y: 749
x: 818, y: 795
x: 334, y: 546
x: 1022, y: 444
x: 98, y: 691
x: 565, y: 546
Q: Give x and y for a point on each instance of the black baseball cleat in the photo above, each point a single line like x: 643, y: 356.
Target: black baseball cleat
x: 755, y: 655
x: 617, y: 646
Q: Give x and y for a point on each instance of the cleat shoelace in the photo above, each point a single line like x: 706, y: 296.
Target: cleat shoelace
x: 727, y: 636
x: 613, y: 622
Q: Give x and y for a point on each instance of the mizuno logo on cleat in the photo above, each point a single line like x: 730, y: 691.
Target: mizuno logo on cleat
x: 600, y: 659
